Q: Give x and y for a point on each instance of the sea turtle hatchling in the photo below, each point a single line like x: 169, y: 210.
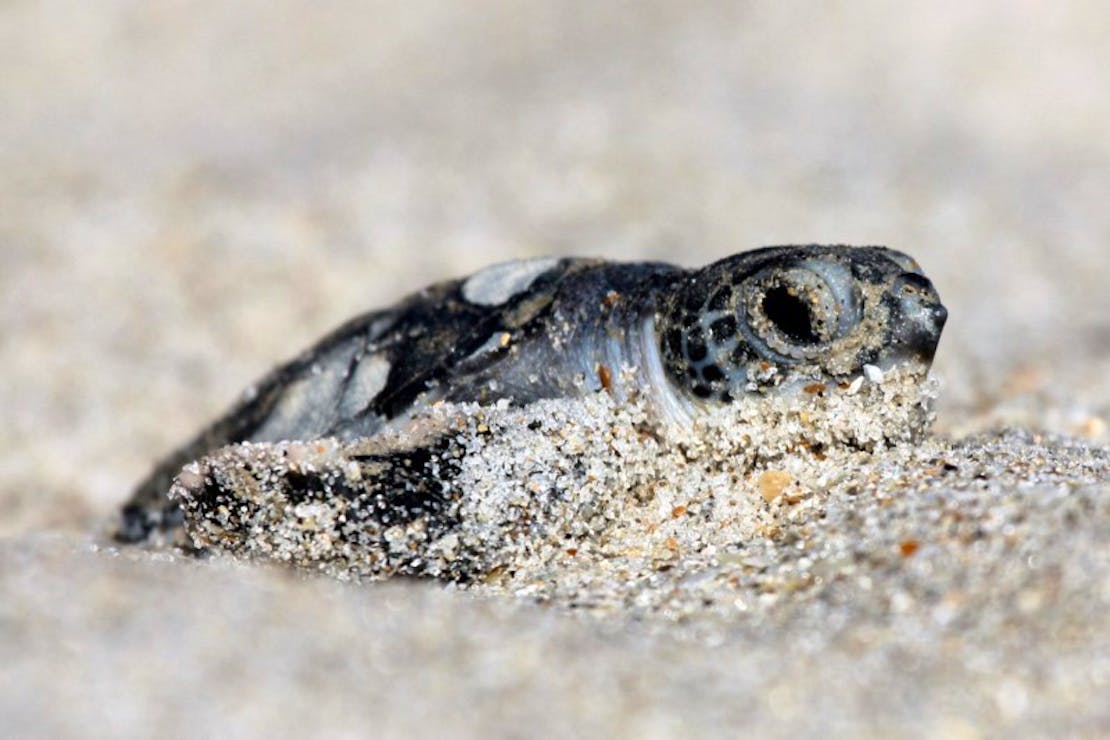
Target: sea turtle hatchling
x: 760, y: 323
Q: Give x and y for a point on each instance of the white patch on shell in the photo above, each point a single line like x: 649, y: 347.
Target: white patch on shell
x: 306, y: 406
x: 380, y: 326
x: 368, y: 380
x: 291, y: 408
x: 496, y: 284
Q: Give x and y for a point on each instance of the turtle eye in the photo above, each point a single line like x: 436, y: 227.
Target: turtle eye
x: 799, y: 310
x: 790, y: 315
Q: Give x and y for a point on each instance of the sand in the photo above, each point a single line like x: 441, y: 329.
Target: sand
x: 192, y: 192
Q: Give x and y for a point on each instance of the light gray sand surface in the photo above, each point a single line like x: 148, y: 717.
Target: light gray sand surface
x: 192, y: 191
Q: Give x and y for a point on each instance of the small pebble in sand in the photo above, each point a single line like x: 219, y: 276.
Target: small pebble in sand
x: 772, y: 483
x: 908, y: 547
x: 1092, y: 427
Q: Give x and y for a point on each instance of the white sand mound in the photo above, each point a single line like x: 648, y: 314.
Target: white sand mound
x: 474, y: 493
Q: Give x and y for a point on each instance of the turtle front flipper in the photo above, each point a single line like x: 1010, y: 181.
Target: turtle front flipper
x: 370, y: 508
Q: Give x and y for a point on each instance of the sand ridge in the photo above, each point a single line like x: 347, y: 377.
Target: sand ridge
x: 471, y: 493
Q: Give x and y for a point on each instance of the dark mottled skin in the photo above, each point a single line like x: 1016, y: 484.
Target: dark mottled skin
x: 707, y: 320
x: 567, y: 331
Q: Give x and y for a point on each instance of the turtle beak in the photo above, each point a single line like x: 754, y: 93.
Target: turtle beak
x: 917, y: 318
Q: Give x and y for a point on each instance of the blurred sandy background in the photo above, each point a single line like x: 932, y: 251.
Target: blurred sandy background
x: 192, y: 190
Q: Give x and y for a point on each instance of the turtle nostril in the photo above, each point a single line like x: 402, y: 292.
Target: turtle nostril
x: 917, y: 317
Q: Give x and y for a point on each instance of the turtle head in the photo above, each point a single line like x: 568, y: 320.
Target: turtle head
x: 786, y: 316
